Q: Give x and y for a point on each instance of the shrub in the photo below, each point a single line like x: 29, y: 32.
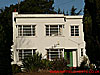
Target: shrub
x: 83, y: 63
x: 32, y: 63
x: 58, y: 64
x: 45, y: 64
x: 16, y: 69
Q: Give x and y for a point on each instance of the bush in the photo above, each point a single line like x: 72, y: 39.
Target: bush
x: 32, y: 63
x: 45, y: 64
x: 83, y: 63
x: 58, y: 64
x: 16, y: 69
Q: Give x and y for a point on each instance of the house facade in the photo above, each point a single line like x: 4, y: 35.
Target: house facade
x: 53, y: 35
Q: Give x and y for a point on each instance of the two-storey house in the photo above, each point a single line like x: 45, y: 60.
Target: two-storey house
x: 53, y: 35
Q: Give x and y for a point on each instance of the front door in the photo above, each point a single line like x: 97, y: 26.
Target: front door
x: 69, y: 57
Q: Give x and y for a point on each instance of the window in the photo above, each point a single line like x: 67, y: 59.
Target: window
x: 24, y: 53
x: 74, y: 30
x: 54, y: 30
x: 26, y: 30
x: 54, y: 53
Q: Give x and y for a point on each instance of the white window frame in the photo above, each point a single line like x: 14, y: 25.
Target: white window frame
x: 32, y: 31
x: 23, y: 53
x: 74, y: 30
x: 58, y: 31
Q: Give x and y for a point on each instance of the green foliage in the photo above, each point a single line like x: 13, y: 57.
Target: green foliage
x: 83, y: 63
x: 92, y: 29
x: 45, y: 64
x: 32, y: 63
x: 67, y: 13
x: 58, y: 64
x: 63, y: 11
x: 37, y: 6
x: 16, y: 69
x: 35, y: 63
x: 59, y: 11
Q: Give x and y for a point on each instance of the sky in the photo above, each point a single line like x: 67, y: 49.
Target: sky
x: 65, y: 5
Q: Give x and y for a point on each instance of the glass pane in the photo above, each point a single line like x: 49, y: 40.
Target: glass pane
x: 76, y: 34
x: 72, y: 30
x: 72, y: 34
x: 76, y: 26
x: 54, y: 56
x: 27, y: 30
x: 72, y: 27
x: 76, y: 30
x: 53, y: 33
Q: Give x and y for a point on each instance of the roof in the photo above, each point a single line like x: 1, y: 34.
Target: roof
x: 46, y: 16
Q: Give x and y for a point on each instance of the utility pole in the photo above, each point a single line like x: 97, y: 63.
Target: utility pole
x: 18, y: 6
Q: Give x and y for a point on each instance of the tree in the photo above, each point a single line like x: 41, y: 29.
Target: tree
x: 67, y: 13
x: 59, y: 11
x: 92, y: 29
x: 63, y: 12
x: 73, y: 9
x: 37, y: 6
x: 6, y: 30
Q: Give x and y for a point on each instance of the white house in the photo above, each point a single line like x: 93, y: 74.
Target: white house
x: 53, y: 35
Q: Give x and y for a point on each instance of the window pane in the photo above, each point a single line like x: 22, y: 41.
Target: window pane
x: 72, y: 34
x: 27, y: 30
x: 54, y: 56
x: 53, y: 33
x: 72, y: 30
x: 76, y: 30
x: 76, y: 34
x: 72, y: 27
x: 76, y: 27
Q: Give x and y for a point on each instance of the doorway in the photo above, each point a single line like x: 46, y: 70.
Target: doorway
x: 69, y: 57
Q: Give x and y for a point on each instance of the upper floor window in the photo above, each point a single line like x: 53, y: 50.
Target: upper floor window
x: 54, y: 30
x: 26, y: 30
x: 74, y: 30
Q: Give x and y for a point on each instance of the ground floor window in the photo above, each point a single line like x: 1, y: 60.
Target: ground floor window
x: 24, y: 53
x: 54, y: 53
